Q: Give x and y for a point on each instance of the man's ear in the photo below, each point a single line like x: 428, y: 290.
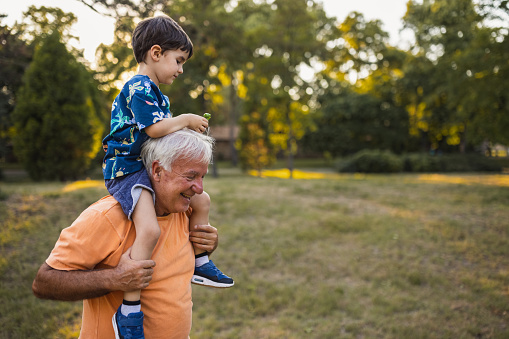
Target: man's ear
x: 157, y: 170
x: 155, y: 52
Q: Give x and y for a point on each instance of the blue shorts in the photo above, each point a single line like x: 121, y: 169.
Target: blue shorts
x: 127, y: 189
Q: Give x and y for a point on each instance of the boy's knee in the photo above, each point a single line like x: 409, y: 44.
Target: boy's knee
x: 200, y: 201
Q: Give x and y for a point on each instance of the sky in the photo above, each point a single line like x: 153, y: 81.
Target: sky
x: 94, y: 29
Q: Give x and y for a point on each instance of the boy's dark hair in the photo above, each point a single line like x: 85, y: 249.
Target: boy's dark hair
x: 162, y: 31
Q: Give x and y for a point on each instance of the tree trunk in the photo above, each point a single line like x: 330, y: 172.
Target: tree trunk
x: 232, y: 120
x: 289, y: 141
x: 204, y: 106
x: 463, y: 141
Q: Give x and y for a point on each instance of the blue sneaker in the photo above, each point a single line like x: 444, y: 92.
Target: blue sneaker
x: 130, y: 327
x: 209, y: 275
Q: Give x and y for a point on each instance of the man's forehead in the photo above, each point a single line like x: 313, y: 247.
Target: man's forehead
x: 194, y: 167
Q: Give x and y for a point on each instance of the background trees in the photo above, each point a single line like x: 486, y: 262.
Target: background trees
x: 294, y: 79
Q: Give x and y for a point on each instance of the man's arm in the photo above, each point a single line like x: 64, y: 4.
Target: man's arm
x: 128, y: 275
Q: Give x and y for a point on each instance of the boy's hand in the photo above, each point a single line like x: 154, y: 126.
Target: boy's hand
x: 196, y: 122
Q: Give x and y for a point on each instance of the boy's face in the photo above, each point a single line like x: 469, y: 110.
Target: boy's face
x: 170, y: 66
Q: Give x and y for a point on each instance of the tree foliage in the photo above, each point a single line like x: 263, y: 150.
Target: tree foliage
x: 55, y: 121
x: 15, y: 56
x: 446, y: 92
x: 465, y: 101
x: 257, y: 152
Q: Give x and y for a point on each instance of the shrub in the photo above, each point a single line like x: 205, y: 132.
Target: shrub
x: 452, y: 163
x: 372, y: 161
x: 375, y: 161
x: 418, y: 162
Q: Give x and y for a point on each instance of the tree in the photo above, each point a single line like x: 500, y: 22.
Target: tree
x: 39, y: 22
x: 55, y: 121
x: 256, y: 150
x: 15, y: 56
x: 294, y: 34
x: 359, y: 107
x: 351, y: 122
x: 465, y: 101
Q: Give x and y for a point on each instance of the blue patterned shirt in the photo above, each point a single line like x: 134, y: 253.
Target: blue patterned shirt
x: 139, y: 104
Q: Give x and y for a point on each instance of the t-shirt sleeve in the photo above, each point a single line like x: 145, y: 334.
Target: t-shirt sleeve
x: 90, y: 240
x: 145, y: 108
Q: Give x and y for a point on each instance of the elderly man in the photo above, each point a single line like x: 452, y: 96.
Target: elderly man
x: 91, y: 260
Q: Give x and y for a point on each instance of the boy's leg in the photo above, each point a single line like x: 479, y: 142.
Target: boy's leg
x: 129, y: 317
x: 200, y: 203
x: 205, y: 273
x: 147, y: 234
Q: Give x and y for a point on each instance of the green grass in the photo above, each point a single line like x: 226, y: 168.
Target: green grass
x: 352, y: 257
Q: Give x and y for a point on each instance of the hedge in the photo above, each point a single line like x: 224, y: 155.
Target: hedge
x: 378, y: 161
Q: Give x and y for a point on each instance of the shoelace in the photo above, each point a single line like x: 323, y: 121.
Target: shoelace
x: 216, y: 270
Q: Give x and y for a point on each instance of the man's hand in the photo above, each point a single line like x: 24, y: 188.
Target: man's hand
x: 204, y: 237
x: 133, y: 274
x: 128, y: 275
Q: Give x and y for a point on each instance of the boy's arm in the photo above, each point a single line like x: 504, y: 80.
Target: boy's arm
x: 170, y: 125
x: 76, y: 285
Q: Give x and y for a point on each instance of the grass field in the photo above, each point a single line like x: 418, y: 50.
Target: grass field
x: 341, y: 256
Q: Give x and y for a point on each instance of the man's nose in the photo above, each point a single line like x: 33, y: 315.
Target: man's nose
x: 198, y: 186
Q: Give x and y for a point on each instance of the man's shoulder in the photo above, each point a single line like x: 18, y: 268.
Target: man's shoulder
x: 108, y: 207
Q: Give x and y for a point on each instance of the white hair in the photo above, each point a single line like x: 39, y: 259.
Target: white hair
x: 185, y: 143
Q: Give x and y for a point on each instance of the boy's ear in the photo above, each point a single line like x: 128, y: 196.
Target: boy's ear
x: 155, y: 52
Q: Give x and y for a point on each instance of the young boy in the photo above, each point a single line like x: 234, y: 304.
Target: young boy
x: 141, y: 110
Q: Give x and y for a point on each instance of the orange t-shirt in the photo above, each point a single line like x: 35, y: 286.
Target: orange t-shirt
x: 99, y: 237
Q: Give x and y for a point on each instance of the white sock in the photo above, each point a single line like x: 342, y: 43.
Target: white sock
x: 201, y: 261
x: 126, y: 309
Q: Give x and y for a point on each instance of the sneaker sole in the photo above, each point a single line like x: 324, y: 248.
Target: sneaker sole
x: 197, y: 280
x: 114, y: 322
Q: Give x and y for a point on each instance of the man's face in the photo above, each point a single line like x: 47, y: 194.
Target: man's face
x: 174, y: 189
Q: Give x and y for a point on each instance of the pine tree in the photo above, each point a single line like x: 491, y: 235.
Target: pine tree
x: 54, y: 119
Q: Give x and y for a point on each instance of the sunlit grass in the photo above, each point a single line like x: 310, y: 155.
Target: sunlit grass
x: 31, y: 219
x: 469, y: 179
x: 298, y: 174
x: 81, y: 184
x: 324, y: 256
x: 484, y: 179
